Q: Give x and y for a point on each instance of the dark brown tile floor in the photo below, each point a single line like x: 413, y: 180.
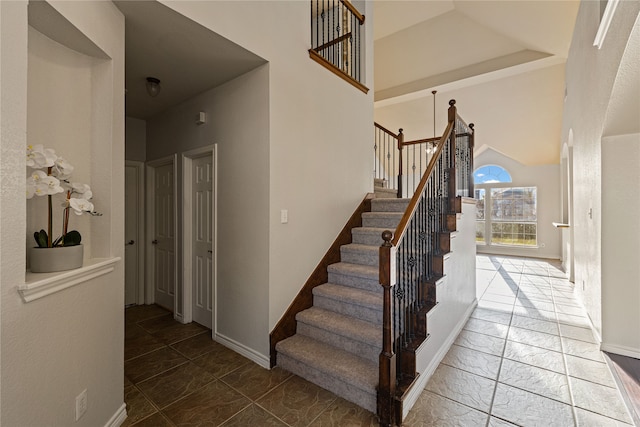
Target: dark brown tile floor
x: 175, y: 375
x: 627, y: 372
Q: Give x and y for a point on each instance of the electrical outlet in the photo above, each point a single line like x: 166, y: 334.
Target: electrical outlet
x: 284, y: 216
x: 81, y: 404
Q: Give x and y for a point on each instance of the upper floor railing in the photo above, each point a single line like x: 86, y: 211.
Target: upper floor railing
x: 337, y: 39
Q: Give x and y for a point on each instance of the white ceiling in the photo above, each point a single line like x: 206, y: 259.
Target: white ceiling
x: 186, y: 57
x: 476, y: 47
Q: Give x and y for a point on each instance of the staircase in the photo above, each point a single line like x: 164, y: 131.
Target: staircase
x: 381, y: 190
x: 339, y: 339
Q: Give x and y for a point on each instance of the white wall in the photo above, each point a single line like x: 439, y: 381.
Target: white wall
x: 135, y: 140
x: 320, y: 134
x: 238, y: 121
x: 545, y: 178
x: 55, y: 347
x: 588, y: 96
x: 621, y: 244
x: 518, y: 115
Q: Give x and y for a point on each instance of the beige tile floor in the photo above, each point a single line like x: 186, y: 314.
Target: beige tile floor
x: 525, y: 357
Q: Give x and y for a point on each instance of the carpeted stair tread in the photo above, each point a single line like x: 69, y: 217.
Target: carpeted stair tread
x: 340, y: 324
x: 367, y: 235
x: 388, y: 220
x: 355, y: 253
x: 385, y: 193
x: 350, y: 295
x: 355, y: 270
x: 397, y: 215
x: 355, y: 302
x: 389, y: 205
x: 332, y: 361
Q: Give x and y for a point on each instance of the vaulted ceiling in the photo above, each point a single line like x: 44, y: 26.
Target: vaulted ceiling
x: 503, y: 61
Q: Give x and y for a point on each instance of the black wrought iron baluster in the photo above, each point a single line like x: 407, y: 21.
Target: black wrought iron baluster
x: 323, y: 16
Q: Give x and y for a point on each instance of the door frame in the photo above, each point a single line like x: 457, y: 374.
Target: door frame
x: 187, y: 226
x: 151, y: 222
x: 140, y: 229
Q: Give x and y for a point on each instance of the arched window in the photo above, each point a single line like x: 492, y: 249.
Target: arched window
x: 490, y: 174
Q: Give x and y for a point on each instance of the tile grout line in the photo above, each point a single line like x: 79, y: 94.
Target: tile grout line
x: 504, y: 348
x: 564, y: 361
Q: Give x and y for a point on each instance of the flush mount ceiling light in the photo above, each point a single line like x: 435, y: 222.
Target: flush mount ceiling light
x: 153, y: 86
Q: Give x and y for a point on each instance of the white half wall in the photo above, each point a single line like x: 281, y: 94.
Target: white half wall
x: 456, y: 296
x: 621, y: 244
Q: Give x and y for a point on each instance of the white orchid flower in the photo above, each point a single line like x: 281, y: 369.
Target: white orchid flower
x: 37, y: 184
x: 53, y: 185
x: 40, y: 157
x: 62, y: 169
x: 41, y: 184
x: 80, y: 206
x: 31, y: 190
x: 37, y: 176
x: 82, y: 190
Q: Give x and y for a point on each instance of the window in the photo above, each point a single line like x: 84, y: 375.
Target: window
x: 480, y: 224
x: 505, y: 215
x: 513, y: 216
x: 489, y: 174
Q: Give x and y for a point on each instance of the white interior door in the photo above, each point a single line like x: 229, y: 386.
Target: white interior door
x: 202, y: 239
x: 164, y: 237
x: 131, y: 265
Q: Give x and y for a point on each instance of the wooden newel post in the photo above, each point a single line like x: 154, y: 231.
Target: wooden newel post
x: 452, y: 187
x: 387, y: 360
x: 400, y: 147
x: 471, y: 144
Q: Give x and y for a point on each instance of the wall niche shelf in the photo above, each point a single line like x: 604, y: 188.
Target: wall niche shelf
x: 39, y: 285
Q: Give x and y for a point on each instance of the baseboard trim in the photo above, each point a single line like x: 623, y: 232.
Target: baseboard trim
x: 118, y: 418
x: 621, y: 350
x: 242, y: 349
x: 424, y: 377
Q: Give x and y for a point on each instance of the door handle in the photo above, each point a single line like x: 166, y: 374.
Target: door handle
x: 131, y: 242
x: 210, y: 251
x: 154, y: 242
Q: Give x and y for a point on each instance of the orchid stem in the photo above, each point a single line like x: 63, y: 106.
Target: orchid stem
x: 50, y: 219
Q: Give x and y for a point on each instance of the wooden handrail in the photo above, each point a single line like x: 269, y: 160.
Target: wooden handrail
x: 353, y: 10
x: 384, y: 129
x: 422, y: 141
x: 333, y: 42
x: 337, y: 71
x: 402, y: 226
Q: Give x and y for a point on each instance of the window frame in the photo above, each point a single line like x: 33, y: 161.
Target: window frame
x: 488, y: 203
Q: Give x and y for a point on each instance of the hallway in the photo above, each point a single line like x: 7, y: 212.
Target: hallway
x: 525, y: 357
